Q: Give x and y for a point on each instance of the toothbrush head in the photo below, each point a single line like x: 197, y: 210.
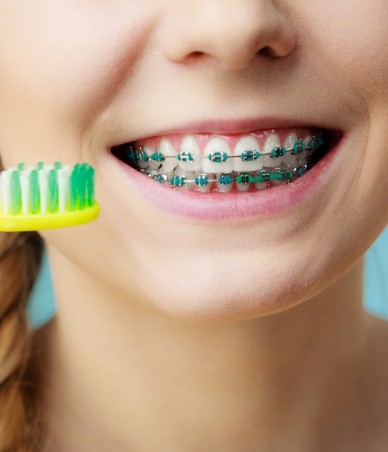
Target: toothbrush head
x: 47, y: 197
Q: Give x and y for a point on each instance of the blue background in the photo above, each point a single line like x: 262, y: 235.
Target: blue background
x: 376, y: 277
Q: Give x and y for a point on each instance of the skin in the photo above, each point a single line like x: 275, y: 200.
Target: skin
x: 282, y: 357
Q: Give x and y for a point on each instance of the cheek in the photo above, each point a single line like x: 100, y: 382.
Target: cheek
x: 64, y: 65
x: 352, y: 36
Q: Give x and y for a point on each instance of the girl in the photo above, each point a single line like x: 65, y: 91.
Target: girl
x: 240, y: 149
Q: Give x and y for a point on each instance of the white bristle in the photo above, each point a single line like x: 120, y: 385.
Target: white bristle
x: 6, y: 191
x: 67, y: 169
x: 62, y: 189
x: 43, y: 188
x: 18, y: 189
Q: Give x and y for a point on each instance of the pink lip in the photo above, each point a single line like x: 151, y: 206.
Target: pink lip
x: 227, y: 206
x: 226, y: 127
x: 223, y: 126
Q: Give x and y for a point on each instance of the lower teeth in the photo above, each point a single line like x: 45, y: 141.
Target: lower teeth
x: 257, y: 180
x: 225, y: 182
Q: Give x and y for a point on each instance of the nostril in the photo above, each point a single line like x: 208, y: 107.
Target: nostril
x: 195, y: 56
x: 268, y: 52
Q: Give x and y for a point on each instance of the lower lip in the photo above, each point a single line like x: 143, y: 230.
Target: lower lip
x: 227, y: 206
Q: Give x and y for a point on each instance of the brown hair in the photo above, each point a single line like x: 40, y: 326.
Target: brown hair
x: 20, y: 258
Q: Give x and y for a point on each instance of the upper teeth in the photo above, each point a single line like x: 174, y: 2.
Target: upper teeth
x: 289, y: 158
x: 190, y: 155
x: 166, y: 148
x: 248, y: 162
x: 217, y: 152
x: 271, y: 143
x: 218, y: 157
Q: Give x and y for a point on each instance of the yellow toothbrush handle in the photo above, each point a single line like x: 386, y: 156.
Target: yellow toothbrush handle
x: 17, y: 223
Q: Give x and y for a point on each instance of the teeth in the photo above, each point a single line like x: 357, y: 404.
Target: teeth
x: 261, y: 185
x: 245, y: 145
x: 224, y: 188
x: 302, y: 157
x: 271, y: 143
x: 218, y: 150
x: 188, y: 175
x: 169, y: 164
x: 140, y: 163
x: 203, y: 183
x: 224, y: 183
x: 307, y: 140
x: 289, y: 159
x: 243, y: 187
x: 157, y: 176
x: 204, y: 189
x: 191, y: 159
x: 151, y: 163
x: 218, y: 167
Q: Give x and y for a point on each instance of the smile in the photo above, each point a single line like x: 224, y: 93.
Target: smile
x: 221, y: 163
x: 217, y: 175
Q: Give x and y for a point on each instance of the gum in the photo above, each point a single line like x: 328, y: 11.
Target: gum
x: 203, y: 139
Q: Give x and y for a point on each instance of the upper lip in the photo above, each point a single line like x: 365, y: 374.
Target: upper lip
x: 228, y: 127
x: 236, y: 126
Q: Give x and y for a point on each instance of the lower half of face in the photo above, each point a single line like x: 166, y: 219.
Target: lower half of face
x: 237, y: 176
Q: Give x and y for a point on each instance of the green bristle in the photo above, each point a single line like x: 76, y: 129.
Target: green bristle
x: 34, y: 192
x: 90, y: 185
x: 82, y: 185
x: 81, y: 188
x: 74, y: 188
x: 16, y: 193
x: 69, y: 191
x: 52, y: 191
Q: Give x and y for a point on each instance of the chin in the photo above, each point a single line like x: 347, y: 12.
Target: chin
x: 225, y: 296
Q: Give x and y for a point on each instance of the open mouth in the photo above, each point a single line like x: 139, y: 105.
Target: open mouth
x: 229, y: 163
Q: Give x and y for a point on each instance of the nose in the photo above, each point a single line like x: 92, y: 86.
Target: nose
x: 232, y: 32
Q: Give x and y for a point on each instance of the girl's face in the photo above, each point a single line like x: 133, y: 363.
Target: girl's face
x: 78, y: 78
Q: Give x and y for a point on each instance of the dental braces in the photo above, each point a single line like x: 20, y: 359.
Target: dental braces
x: 241, y: 178
x: 250, y: 155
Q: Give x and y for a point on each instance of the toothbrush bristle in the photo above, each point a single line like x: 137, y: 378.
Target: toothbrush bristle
x: 45, y: 189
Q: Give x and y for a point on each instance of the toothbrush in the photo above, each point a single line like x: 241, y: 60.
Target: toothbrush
x: 46, y: 197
